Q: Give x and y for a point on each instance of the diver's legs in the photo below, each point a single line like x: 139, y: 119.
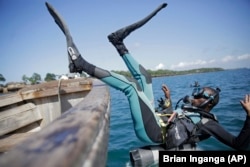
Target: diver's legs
x: 146, y: 123
x: 137, y: 70
x: 141, y: 75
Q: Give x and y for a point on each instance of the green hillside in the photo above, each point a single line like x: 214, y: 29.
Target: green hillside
x: 164, y: 72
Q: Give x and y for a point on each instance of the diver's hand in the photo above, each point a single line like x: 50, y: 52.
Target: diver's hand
x: 245, y: 103
x: 166, y: 91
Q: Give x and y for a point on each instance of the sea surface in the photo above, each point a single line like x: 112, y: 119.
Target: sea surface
x: 234, y: 85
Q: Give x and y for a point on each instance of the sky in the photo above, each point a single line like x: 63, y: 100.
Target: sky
x: 184, y: 35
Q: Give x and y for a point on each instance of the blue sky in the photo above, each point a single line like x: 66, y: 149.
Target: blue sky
x: 185, y: 35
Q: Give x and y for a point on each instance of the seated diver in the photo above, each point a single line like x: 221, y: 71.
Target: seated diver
x: 147, y: 124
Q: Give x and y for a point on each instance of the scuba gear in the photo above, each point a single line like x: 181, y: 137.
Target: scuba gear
x: 198, y: 110
x: 184, y: 99
x: 184, y: 126
x: 149, y: 155
x: 164, y: 103
x: 177, y: 128
x: 188, y: 107
x: 146, y: 155
x: 180, y: 130
x: 164, y: 106
x: 117, y: 37
x: 201, y: 93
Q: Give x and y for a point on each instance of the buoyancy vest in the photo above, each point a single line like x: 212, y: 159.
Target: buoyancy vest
x: 181, y: 128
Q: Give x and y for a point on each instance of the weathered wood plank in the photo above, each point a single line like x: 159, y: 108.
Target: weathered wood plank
x: 78, y: 138
x: 51, y: 88
x: 10, y: 99
x: 9, y: 141
x: 47, y: 89
x: 13, y: 111
x: 18, y: 117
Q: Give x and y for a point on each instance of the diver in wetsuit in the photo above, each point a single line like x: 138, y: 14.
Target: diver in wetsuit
x: 138, y: 89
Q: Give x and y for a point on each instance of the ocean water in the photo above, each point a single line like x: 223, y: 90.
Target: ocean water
x: 234, y: 85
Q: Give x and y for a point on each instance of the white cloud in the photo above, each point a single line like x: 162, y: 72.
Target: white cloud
x: 227, y: 58
x: 244, y: 57
x: 234, y: 58
x: 225, y: 62
x: 190, y: 64
x: 211, y: 61
x: 159, y: 66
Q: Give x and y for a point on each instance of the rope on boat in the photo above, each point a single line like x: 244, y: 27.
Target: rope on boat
x: 59, y: 94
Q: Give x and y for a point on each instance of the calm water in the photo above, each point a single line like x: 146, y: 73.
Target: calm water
x: 234, y: 84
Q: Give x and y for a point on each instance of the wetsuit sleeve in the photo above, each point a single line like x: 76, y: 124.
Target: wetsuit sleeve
x: 239, y: 142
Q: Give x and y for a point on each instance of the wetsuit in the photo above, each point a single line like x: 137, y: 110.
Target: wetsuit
x: 207, y: 127
x: 210, y: 127
x: 140, y: 96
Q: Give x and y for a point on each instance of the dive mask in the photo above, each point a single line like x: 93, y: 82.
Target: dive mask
x: 200, y: 93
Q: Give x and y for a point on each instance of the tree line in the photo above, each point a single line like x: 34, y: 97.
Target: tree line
x: 165, y: 72
x: 34, y: 79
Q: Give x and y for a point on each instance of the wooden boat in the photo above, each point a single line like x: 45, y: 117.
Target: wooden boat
x: 43, y: 124
x: 12, y: 87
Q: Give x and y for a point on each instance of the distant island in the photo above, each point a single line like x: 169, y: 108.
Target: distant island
x: 164, y: 72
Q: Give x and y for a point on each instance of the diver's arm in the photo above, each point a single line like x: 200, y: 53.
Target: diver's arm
x: 166, y: 104
x: 246, y: 104
x: 166, y: 91
x: 239, y: 142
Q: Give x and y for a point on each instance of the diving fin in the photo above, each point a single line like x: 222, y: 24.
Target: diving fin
x: 117, y: 37
x: 125, y: 31
x: 72, y: 50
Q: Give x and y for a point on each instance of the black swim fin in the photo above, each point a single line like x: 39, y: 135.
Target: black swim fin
x: 73, y: 52
x: 117, y: 37
x: 125, y: 31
